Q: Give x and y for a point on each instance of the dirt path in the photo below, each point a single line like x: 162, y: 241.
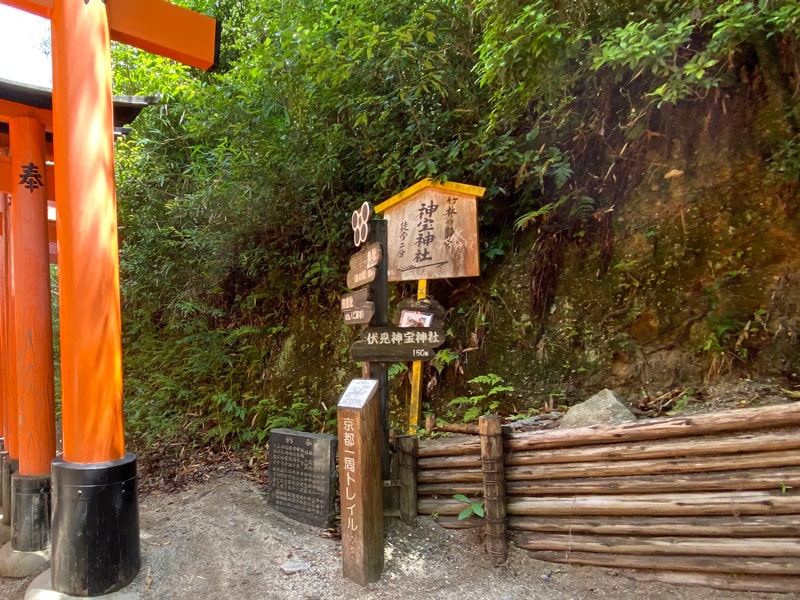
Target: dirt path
x: 218, y: 540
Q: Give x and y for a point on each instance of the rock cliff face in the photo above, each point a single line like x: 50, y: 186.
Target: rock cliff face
x: 698, y: 274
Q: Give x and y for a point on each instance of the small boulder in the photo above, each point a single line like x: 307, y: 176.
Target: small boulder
x: 604, y: 408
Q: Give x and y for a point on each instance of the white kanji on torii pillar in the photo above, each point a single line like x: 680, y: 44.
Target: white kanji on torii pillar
x: 95, y: 548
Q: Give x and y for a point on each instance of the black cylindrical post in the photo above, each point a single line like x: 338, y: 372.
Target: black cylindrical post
x: 9, y: 467
x: 30, y: 513
x: 95, y: 530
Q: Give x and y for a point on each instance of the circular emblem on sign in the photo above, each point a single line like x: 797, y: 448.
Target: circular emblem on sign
x: 360, y: 223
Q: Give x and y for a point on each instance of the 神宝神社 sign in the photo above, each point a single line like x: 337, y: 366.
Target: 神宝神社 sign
x: 433, y: 231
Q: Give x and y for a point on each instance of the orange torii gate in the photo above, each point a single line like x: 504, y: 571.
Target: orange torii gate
x: 29, y: 220
x: 95, y: 521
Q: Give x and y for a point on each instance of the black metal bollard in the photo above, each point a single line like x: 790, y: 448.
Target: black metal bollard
x: 95, y: 533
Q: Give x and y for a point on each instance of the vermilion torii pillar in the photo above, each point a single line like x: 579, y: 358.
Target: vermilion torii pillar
x: 31, y: 338
x: 95, y: 509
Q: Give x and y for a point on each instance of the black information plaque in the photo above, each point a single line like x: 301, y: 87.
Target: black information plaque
x: 302, y: 476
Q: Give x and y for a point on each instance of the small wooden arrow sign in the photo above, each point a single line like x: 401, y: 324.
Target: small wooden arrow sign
x: 369, y: 256
x: 356, y: 279
x: 355, y: 299
x: 359, y: 315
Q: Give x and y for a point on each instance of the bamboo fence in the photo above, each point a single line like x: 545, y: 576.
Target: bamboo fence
x: 708, y: 500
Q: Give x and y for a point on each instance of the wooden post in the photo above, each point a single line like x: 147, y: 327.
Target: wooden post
x: 494, y: 488
x: 416, y: 374
x: 407, y: 450
x: 32, y: 338
x: 11, y: 460
x: 361, y: 482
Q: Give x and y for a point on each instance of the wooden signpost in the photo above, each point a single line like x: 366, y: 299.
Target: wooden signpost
x: 433, y: 234
x: 361, y: 482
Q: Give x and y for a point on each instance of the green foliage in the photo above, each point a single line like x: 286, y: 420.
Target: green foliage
x: 486, y: 401
x: 236, y: 187
x: 474, y: 507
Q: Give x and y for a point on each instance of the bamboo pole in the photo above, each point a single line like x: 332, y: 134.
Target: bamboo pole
x: 494, y: 492
x: 688, y: 546
x: 741, y: 526
x: 689, y: 504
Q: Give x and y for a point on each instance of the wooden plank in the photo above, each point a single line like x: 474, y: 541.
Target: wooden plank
x: 156, y: 26
x: 689, y: 504
x: 450, y: 476
x: 745, y: 419
x: 693, y: 446
x: 740, y: 527
x: 661, y: 466
x: 735, y: 582
x: 706, y: 564
x: 673, y: 545
x: 361, y: 481
x: 755, y: 479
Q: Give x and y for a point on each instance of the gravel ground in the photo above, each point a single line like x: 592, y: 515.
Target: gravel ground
x: 218, y: 540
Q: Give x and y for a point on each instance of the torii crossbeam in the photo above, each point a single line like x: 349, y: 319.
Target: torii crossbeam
x: 95, y: 534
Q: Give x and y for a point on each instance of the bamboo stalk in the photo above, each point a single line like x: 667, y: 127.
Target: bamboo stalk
x: 693, y: 446
x: 754, y: 479
x: 648, y: 467
x: 689, y: 546
x: 733, y: 583
x: 690, y: 504
x: 743, y: 526
x: 746, y: 419
x: 705, y: 564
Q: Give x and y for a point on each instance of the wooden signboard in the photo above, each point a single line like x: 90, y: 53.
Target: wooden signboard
x: 433, y: 231
x: 369, y: 256
x: 397, y: 344
x: 361, y: 481
x: 356, y: 308
x: 355, y: 279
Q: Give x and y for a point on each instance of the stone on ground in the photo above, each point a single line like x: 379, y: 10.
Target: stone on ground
x: 604, y: 408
